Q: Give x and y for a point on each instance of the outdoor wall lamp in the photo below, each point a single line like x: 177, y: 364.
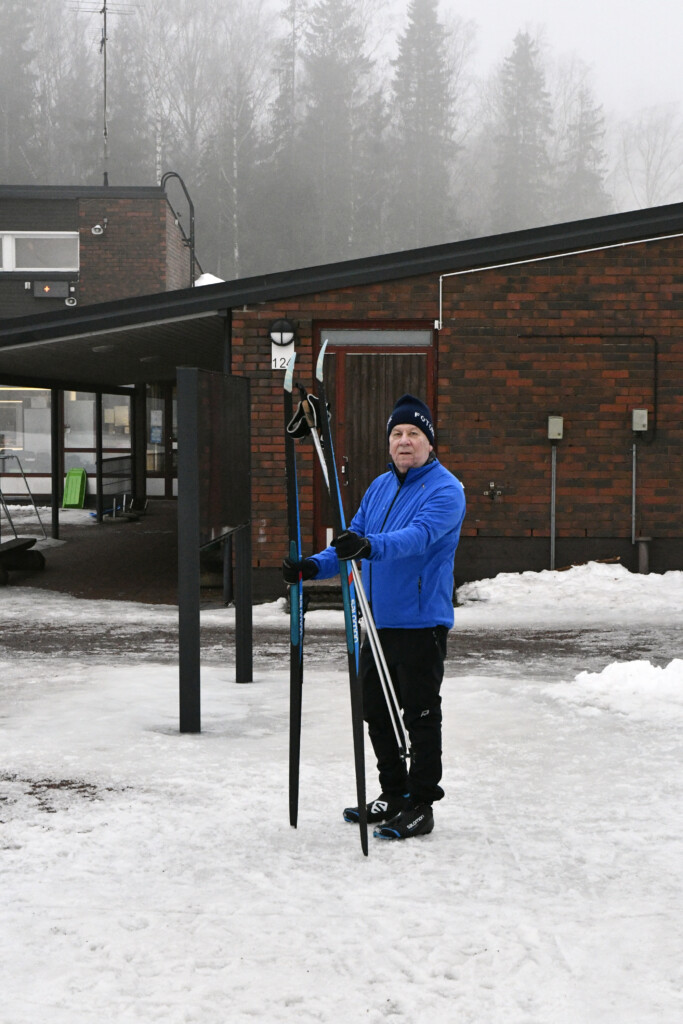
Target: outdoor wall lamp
x: 282, y: 332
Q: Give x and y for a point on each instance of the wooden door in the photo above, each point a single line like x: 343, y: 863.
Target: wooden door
x: 363, y: 387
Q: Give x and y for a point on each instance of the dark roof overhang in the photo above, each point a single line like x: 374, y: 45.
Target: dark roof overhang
x: 145, y: 338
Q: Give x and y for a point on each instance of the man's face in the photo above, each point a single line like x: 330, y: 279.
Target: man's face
x: 408, y: 446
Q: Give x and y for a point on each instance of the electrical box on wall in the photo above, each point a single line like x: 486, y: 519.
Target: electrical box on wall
x: 50, y: 289
x: 555, y: 428
x: 638, y: 420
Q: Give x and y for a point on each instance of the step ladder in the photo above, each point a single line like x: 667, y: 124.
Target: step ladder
x: 5, y: 456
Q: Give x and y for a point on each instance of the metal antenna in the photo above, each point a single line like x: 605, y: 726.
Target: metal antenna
x: 118, y: 8
x: 103, y: 51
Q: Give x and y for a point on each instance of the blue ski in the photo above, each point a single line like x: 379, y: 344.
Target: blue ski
x: 296, y: 605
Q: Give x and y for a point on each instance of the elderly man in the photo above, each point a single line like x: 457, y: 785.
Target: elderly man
x: 405, y: 532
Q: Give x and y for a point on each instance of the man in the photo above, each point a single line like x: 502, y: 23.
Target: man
x: 406, y: 532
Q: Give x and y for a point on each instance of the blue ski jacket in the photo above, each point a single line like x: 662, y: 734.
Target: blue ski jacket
x: 413, y: 525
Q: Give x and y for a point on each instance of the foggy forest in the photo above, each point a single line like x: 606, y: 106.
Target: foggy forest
x: 307, y: 134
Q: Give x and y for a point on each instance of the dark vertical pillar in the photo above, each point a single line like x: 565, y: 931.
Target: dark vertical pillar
x: 99, y: 497
x: 139, y: 442
x: 227, y: 341
x: 228, y: 581
x: 56, y: 467
x: 244, y: 672
x: 188, y: 552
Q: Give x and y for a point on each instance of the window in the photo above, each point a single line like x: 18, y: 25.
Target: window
x: 25, y: 428
x: 377, y: 337
x: 39, y: 251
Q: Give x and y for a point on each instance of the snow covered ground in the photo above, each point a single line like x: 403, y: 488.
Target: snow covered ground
x: 149, y: 876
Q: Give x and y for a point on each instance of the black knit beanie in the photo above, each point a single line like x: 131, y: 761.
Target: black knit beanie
x: 409, y: 409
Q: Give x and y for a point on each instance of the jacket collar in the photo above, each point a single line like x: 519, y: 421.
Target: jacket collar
x: 414, y: 474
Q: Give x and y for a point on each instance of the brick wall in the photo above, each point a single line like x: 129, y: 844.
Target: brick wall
x: 177, y: 271
x: 129, y: 257
x: 139, y: 252
x: 587, y: 337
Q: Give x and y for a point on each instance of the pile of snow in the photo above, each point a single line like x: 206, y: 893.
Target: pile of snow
x: 638, y: 689
x: 207, y: 278
x: 582, y: 595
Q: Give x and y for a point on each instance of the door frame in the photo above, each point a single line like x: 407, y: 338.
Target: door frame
x: 338, y: 399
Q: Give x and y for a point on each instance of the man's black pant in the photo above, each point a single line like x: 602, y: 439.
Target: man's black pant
x: 415, y: 659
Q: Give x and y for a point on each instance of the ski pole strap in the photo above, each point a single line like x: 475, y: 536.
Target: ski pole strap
x: 306, y: 417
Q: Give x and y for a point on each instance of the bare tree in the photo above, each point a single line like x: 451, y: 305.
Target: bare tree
x: 649, y: 168
x: 69, y: 119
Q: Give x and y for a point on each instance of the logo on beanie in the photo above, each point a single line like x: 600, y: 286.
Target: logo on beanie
x: 424, y: 423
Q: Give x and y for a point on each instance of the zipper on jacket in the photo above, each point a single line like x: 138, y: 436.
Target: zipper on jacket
x: 369, y: 564
x: 393, y: 501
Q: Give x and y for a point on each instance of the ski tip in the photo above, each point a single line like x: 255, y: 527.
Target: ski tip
x: 289, y: 374
x: 319, y: 364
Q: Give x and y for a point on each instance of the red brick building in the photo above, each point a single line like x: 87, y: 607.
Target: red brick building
x: 582, y: 321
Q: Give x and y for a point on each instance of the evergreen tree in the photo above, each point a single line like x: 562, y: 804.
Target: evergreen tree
x: 338, y: 106
x: 423, y: 150
x: 283, y: 220
x: 131, y: 143
x: 17, y: 93
x: 228, y: 183
x: 522, y: 166
x: 581, y: 172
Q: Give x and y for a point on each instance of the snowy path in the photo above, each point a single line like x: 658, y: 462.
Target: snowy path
x: 151, y: 877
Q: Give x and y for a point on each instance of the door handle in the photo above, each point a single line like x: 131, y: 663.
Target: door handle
x: 345, y: 462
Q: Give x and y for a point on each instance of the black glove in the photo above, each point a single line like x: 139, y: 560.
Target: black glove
x: 350, y: 545
x: 291, y: 570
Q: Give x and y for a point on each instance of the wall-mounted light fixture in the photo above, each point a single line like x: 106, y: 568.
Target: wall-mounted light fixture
x: 282, y: 332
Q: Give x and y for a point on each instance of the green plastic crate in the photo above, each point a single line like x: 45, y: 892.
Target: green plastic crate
x: 74, y: 489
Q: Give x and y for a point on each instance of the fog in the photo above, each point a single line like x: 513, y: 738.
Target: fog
x: 314, y: 131
x: 631, y: 46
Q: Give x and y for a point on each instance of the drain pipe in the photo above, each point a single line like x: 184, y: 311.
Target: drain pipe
x: 639, y: 425
x: 438, y: 324
x: 555, y: 433
x: 634, y: 457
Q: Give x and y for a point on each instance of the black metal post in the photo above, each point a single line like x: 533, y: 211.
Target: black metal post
x: 244, y: 672
x: 56, y: 459
x: 99, y: 496
x: 139, y: 441
x: 228, y: 581
x: 188, y: 552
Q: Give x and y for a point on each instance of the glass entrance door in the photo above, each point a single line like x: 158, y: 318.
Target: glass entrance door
x: 162, y: 440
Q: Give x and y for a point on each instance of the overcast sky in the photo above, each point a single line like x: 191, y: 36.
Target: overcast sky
x: 633, y: 46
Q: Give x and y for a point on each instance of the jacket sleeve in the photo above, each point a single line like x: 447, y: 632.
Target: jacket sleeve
x: 327, y: 561
x: 442, y: 512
